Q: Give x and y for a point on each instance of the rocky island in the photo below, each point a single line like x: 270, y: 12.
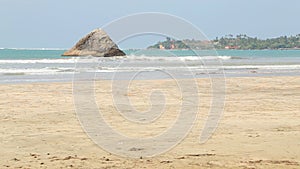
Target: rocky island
x: 96, y: 43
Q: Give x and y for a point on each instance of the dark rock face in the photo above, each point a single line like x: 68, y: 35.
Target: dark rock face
x: 97, y: 43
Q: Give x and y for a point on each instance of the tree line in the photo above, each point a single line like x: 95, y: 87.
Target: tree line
x: 241, y: 41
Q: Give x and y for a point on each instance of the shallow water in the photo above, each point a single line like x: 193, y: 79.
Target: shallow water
x: 45, y: 65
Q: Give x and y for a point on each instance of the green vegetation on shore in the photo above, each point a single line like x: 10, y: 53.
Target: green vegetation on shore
x: 243, y: 42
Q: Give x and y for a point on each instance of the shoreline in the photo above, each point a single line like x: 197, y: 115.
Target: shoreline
x: 34, y: 66
x: 204, y: 76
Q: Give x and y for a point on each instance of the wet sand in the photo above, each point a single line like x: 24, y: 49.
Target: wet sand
x: 260, y: 127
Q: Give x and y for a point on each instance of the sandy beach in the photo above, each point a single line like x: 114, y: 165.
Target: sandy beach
x: 260, y: 127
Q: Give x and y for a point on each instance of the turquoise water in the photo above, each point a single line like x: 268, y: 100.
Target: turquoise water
x: 235, y: 53
x: 19, y: 54
x: 261, y: 53
x: 25, y: 65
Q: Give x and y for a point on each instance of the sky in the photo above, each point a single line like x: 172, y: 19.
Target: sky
x: 61, y: 23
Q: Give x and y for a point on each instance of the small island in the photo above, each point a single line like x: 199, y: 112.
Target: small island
x: 241, y: 42
x: 97, y: 43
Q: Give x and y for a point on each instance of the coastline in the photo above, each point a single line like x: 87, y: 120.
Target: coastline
x: 260, y: 127
x: 19, y: 66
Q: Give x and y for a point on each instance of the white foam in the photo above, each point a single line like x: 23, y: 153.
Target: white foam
x: 71, y: 60
x: 191, y: 58
x: 32, y: 71
x: 281, y: 67
x: 179, y: 58
x: 130, y: 57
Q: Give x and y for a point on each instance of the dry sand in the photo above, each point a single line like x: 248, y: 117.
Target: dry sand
x: 260, y: 127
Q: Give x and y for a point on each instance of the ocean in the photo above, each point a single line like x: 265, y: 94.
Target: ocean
x: 47, y: 65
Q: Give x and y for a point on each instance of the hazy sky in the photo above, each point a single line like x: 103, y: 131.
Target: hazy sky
x: 60, y: 23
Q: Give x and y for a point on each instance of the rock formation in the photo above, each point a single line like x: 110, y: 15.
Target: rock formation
x: 97, y: 43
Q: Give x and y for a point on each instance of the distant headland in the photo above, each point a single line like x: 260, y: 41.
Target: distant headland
x: 242, y: 42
